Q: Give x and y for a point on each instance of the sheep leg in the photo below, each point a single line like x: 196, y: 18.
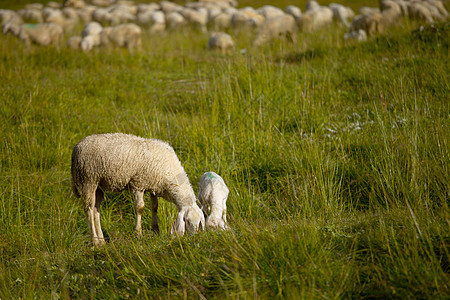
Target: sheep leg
x: 89, y: 209
x: 98, y: 227
x: 139, y: 205
x: 155, y: 227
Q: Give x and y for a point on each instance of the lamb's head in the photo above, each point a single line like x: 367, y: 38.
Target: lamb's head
x: 189, y: 219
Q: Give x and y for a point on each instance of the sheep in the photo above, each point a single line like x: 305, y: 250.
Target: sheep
x: 213, y: 194
x: 279, y: 26
x: 221, y: 22
x: 124, y: 35
x: 269, y: 11
x: 418, y: 11
x: 294, y: 11
x: 341, y: 13
x: 90, y: 36
x: 221, y: 41
x: 371, y: 24
x: 31, y: 15
x: 41, y: 34
x: 174, y: 20
x: 357, y: 35
x: 196, y: 18
x: 10, y: 16
x: 116, y: 162
x: 74, y: 42
x: 316, y: 18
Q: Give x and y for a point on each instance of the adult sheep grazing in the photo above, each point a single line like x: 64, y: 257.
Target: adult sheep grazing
x: 220, y: 41
x: 41, y: 34
x: 116, y: 162
x: 124, y: 35
x: 275, y: 27
x: 371, y: 24
x: 213, y: 194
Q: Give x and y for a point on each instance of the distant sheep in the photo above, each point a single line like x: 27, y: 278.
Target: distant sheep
x: 315, y: 19
x: 371, y: 24
x: 74, y: 42
x: 357, y: 35
x: 41, y: 34
x: 342, y: 14
x: 90, y: 36
x: 213, y: 194
x: 116, y: 162
x: 124, y: 35
x: 276, y: 27
x: 220, y: 41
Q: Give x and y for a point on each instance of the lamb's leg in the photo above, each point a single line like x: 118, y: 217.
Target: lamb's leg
x: 155, y: 226
x: 139, y: 205
x: 89, y: 209
x: 98, y: 227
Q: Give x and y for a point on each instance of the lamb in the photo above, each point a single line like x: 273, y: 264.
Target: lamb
x: 116, y: 162
x: 316, y: 18
x: 41, y: 34
x: 221, y: 41
x: 279, y: 26
x: 213, y: 194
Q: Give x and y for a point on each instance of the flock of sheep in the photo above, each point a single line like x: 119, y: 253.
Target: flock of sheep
x: 122, y: 23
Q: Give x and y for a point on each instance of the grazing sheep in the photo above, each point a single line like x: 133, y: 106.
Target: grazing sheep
x: 220, y: 41
x: 371, y: 24
x: 342, y: 14
x: 275, y: 27
x: 420, y: 12
x: 221, y: 22
x: 74, y: 42
x: 269, y: 11
x: 294, y: 11
x: 357, y: 35
x: 312, y: 5
x: 10, y: 16
x: 90, y: 36
x: 41, y: 34
x: 316, y: 18
x: 213, y: 194
x: 32, y: 14
x: 174, y: 20
x: 124, y: 35
x: 153, y: 20
x: 116, y: 162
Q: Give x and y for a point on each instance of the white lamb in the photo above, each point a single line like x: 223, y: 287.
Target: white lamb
x: 116, y: 162
x: 213, y: 194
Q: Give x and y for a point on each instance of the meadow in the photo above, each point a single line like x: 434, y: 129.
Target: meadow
x: 336, y: 155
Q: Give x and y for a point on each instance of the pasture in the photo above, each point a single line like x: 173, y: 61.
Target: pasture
x: 336, y: 156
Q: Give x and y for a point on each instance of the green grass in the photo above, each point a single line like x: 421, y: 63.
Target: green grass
x: 336, y: 156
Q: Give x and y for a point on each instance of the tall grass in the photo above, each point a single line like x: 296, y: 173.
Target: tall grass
x: 336, y: 156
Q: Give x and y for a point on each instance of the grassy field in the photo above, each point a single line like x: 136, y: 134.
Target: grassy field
x: 336, y: 156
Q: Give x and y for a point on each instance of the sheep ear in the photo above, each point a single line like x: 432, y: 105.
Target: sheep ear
x: 179, y: 225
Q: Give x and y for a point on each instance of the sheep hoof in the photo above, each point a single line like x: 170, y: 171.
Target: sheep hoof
x: 99, y: 242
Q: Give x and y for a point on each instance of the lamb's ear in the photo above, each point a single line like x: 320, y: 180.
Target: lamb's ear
x: 179, y: 225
